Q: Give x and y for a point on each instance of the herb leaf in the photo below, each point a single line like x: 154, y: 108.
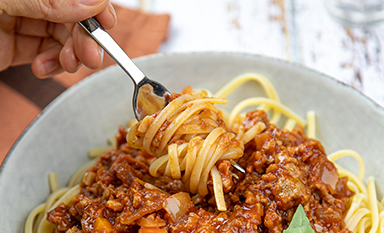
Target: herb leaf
x: 299, y: 223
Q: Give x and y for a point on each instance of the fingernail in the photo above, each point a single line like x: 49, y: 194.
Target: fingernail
x: 49, y: 66
x: 101, y: 51
x: 112, y: 10
x: 89, y: 2
x: 79, y: 64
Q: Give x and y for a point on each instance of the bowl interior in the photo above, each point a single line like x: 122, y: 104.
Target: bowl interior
x: 87, y: 114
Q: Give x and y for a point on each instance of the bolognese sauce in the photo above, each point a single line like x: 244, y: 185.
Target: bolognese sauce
x: 283, y: 169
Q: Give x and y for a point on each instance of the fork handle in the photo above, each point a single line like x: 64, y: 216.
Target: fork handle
x: 93, y: 27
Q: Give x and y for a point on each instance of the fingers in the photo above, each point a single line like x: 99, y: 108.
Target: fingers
x: 46, y: 63
x: 107, y: 18
x: 62, y: 11
x: 77, y: 49
x: 71, y: 51
x: 7, y: 23
x: 86, y: 49
x: 26, y: 49
x: 72, y: 46
x: 68, y: 58
x: 58, y: 32
x: 31, y: 27
x: 6, y: 38
x: 43, y: 28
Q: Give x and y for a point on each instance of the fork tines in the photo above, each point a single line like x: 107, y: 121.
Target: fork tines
x: 237, y: 166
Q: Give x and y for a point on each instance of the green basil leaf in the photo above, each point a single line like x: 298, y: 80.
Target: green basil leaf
x: 300, y: 222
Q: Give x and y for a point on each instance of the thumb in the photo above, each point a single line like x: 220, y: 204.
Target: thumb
x: 58, y: 11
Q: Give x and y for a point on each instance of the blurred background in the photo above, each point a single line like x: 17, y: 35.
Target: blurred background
x: 299, y: 31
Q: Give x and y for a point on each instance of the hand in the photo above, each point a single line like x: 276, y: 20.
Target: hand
x: 45, y: 33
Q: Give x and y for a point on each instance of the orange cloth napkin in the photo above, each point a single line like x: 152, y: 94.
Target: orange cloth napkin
x: 22, y: 95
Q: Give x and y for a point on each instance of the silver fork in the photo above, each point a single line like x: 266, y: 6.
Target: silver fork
x: 149, y: 96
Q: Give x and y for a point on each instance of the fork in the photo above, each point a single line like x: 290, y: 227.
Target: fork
x: 149, y: 96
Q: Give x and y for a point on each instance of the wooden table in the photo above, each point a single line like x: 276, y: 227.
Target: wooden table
x: 299, y: 31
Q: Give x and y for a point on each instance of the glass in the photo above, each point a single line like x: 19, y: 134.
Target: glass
x: 357, y: 12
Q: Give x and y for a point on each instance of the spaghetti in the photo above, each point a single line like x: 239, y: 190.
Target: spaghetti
x: 188, y: 135
x: 194, y: 142
x: 366, y: 213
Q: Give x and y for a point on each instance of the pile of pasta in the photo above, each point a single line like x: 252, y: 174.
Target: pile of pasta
x: 187, y: 136
x: 189, y: 128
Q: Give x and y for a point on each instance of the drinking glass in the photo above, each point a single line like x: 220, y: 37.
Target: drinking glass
x: 357, y: 12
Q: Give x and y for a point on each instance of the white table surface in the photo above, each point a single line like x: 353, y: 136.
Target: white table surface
x: 300, y: 31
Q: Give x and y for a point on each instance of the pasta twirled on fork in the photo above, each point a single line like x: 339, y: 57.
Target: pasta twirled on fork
x: 188, y: 137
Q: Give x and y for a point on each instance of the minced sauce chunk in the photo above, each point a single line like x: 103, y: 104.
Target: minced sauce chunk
x: 283, y: 170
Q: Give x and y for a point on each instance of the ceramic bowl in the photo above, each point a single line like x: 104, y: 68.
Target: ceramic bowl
x: 88, y: 113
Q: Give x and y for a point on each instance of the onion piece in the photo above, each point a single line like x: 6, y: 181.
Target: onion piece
x: 115, y: 205
x: 103, y: 225
x: 151, y: 221
x: 177, y: 205
x: 89, y: 178
x: 152, y: 230
x: 330, y: 177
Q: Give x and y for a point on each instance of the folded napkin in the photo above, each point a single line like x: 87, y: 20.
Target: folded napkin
x: 22, y: 95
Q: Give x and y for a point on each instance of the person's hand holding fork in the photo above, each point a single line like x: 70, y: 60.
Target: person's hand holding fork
x: 45, y: 33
